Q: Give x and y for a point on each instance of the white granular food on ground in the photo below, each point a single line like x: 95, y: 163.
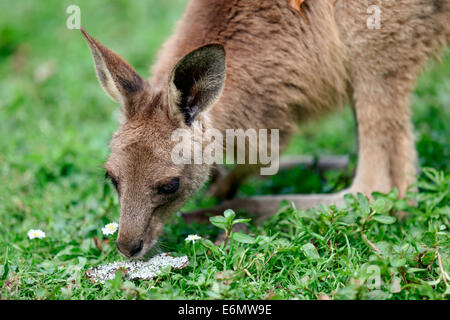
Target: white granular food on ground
x: 136, y: 269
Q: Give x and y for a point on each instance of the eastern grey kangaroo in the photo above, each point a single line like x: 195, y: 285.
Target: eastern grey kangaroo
x: 241, y: 64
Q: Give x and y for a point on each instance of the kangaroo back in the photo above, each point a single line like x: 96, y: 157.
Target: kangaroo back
x: 409, y: 32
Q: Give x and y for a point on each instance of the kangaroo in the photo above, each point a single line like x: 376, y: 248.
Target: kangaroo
x: 241, y: 64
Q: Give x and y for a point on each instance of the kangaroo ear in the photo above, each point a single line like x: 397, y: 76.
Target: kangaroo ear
x: 196, y: 82
x: 119, y: 80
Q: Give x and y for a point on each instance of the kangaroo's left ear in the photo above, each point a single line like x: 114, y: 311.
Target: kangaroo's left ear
x: 119, y: 80
x: 196, y: 82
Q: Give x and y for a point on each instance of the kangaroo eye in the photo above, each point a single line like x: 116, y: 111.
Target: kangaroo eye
x: 169, y: 187
x: 113, y: 180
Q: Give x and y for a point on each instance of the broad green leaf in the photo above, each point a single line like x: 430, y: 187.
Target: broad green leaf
x: 398, y: 262
x: 310, y: 251
x: 364, y: 204
x: 229, y: 214
x: 349, y: 199
x: 384, y: 246
x: 384, y: 219
x: 379, y: 206
x: 219, y: 222
x: 241, y: 221
x: 243, y: 238
x: 218, y: 219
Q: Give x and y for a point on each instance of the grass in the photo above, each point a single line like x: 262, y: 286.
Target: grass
x: 55, y: 124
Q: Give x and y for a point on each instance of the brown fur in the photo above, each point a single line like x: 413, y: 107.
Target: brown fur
x: 282, y: 68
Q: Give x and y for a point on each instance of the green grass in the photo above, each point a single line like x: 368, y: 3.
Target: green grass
x: 54, y: 136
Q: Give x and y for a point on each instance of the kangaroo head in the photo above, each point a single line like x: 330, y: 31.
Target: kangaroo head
x: 150, y: 185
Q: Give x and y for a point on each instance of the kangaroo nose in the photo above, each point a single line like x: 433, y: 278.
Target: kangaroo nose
x: 130, y: 249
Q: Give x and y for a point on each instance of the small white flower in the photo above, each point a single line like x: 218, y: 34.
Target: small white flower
x: 193, y: 237
x: 110, y: 228
x: 36, y: 234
